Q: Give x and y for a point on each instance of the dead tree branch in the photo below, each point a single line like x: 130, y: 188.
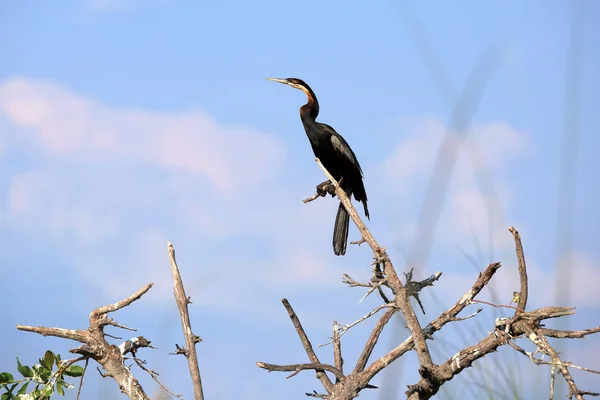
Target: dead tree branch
x: 190, y: 338
x: 95, y: 346
x: 394, y: 282
x: 504, y: 331
x: 310, y: 352
x: 154, y: 376
x: 522, y: 303
x: 337, y: 348
x: 523, y: 324
x: 301, y: 367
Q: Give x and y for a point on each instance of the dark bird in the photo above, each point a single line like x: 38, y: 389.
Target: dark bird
x: 336, y: 156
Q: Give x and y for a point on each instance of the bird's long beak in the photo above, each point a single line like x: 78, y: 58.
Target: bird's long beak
x: 284, y: 81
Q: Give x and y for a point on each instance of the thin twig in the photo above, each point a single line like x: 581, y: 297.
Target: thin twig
x: 60, y: 370
x: 346, y: 327
x: 116, y: 324
x: 541, y: 342
x: 456, y: 319
x: 495, y: 305
x: 301, y: 367
x: 190, y: 338
x: 154, y: 376
x: 87, y: 361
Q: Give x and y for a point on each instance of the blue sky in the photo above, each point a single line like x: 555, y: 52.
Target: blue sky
x: 124, y: 124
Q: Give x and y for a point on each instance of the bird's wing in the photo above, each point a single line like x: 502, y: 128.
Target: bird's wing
x: 342, y: 147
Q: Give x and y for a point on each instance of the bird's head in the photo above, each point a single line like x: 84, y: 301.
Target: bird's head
x: 297, y: 84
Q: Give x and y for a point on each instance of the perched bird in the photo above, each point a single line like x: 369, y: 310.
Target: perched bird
x: 336, y: 156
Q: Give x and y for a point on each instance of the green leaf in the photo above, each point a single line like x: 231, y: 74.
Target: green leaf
x: 6, y: 377
x: 74, y: 371
x: 23, y: 388
x: 60, y: 389
x: 24, y: 369
x: 66, y: 384
x: 47, y: 392
x: 48, y: 360
x: 36, y: 394
x: 42, y: 372
x: 6, y: 396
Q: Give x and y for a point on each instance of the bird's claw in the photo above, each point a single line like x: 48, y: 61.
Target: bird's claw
x: 324, y: 188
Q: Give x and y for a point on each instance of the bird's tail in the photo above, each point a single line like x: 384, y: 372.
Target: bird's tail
x: 340, y: 231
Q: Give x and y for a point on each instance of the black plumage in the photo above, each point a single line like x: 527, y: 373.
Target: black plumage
x: 336, y: 156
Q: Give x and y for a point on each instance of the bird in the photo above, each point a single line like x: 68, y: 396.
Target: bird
x: 336, y: 156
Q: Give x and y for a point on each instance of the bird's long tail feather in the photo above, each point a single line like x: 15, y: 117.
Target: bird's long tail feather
x: 340, y: 231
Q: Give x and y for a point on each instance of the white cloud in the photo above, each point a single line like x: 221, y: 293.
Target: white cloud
x: 109, y: 186
x: 69, y: 126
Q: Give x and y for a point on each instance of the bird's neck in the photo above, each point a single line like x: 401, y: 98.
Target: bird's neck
x: 310, y: 110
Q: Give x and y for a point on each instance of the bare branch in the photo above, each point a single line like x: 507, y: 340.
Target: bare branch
x: 95, y: 345
x: 95, y: 315
x: 393, y: 281
x: 73, y: 334
x: 154, y: 376
x: 190, y: 338
x: 372, y: 341
x: 437, y: 324
x: 301, y: 367
x: 111, y: 322
x: 337, y: 348
x: 555, y: 333
x: 552, y: 380
x: 87, y: 361
x: 348, y: 280
x: 487, y: 303
x: 539, y: 361
x: 327, y: 384
x: 522, y: 270
x: 346, y: 327
x: 542, y: 343
x: 456, y: 319
x: 317, y: 395
x: 358, y: 242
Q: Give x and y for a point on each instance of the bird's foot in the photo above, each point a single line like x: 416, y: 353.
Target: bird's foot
x: 322, y: 190
x: 326, y: 187
x: 313, y: 198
